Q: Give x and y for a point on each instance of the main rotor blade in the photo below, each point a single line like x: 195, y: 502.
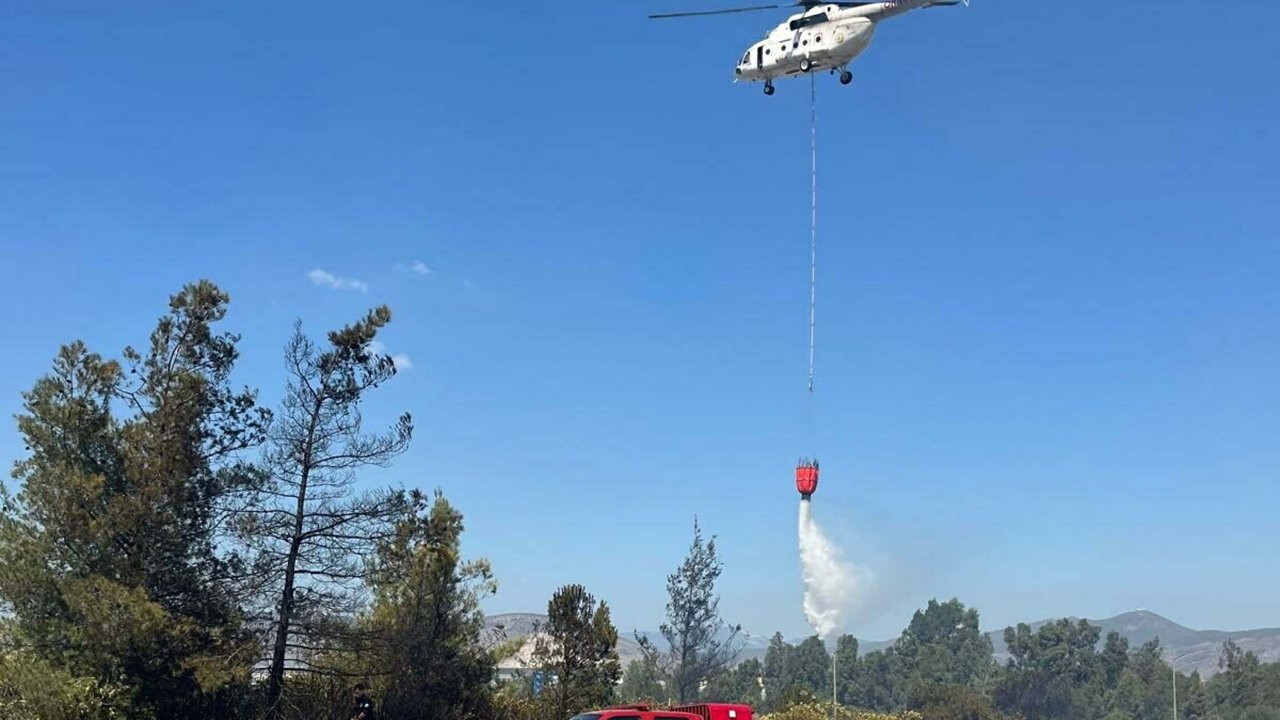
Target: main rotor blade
x: 809, y: 4
x: 719, y: 12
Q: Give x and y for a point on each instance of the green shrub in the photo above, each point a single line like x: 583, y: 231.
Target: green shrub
x: 30, y: 688
x: 822, y: 711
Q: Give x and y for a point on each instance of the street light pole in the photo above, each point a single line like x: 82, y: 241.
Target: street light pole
x: 1173, y: 670
x: 834, y: 703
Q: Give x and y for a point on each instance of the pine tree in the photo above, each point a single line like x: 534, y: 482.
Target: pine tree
x: 700, y: 645
x: 739, y: 685
x: 314, y: 535
x: 849, y: 680
x: 642, y: 683
x: 778, y: 676
x: 810, y: 667
x: 426, y: 623
x: 578, y: 648
x: 110, y: 557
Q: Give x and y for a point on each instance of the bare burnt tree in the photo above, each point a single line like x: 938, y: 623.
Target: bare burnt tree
x: 314, y: 534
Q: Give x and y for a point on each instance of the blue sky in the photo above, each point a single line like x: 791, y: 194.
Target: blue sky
x: 1048, y: 345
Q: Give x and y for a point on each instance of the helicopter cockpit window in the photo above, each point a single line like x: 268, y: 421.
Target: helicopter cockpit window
x: 746, y: 58
x: 808, y: 20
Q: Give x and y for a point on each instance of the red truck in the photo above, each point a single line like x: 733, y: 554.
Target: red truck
x: 704, y: 711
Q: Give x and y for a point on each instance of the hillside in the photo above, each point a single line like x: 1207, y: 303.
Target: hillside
x: 1190, y: 650
x: 510, y: 626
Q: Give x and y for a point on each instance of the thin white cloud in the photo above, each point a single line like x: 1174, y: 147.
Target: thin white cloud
x: 400, y: 360
x: 417, y: 267
x: 328, y: 279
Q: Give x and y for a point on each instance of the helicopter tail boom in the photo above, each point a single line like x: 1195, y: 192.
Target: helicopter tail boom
x: 883, y: 10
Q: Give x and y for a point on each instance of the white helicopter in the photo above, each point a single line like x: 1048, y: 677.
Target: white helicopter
x: 826, y: 35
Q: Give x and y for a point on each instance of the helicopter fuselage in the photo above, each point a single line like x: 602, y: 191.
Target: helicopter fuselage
x: 822, y: 37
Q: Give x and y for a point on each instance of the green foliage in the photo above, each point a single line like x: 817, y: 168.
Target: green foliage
x: 578, y: 648
x: 1051, y: 671
x: 1058, y: 672
x: 1244, y: 689
x: 935, y: 701
x: 418, y: 646
x: 513, y: 701
x: 1114, y: 658
x: 426, y: 655
x: 124, y: 595
x: 810, y: 667
x: 850, y: 673
x: 799, y: 695
x: 1145, y: 685
x: 777, y: 671
x: 941, y: 668
x: 740, y: 685
x: 874, y: 681
x: 814, y: 710
x: 943, y: 646
x: 697, y: 648
x: 311, y: 532
x: 642, y: 683
x: 1117, y: 715
x: 1193, y: 701
x: 31, y: 688
x: 109, y: 556
x: 1258, y: 712
x: 314, y: 697
x: 1237, y: 683
x: 883, y: 684
x: 1268, y: 679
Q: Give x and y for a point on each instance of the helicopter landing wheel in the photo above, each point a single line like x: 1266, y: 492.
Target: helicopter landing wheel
x: 846, y: 77
x: 806, y: 65
x: 768, y: 88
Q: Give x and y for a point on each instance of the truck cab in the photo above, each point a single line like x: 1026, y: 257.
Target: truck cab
x: 703, y: 711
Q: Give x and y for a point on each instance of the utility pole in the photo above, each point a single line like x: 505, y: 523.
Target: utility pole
x: 1173, y: 670
x: 835, y: 703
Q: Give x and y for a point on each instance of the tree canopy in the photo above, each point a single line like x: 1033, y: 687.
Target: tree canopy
x: 699, y: 645
x: 172, y: 549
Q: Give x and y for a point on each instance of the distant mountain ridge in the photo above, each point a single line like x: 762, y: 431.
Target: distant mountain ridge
x: 1189, y: 650
x: 524, y: 626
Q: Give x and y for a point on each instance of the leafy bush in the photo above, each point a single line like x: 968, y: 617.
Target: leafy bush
x: 29, y: 688
x: 951, y: 702
x: 822, y: 711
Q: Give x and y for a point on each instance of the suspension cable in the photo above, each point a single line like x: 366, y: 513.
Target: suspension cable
x: 813, y: 221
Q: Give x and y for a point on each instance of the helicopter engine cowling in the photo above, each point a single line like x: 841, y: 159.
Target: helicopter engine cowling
x: 852, y: 38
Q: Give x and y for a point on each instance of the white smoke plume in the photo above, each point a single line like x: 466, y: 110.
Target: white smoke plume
x: 831, y: 586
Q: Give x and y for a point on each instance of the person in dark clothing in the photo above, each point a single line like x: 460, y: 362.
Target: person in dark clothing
x: 362, y: 705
